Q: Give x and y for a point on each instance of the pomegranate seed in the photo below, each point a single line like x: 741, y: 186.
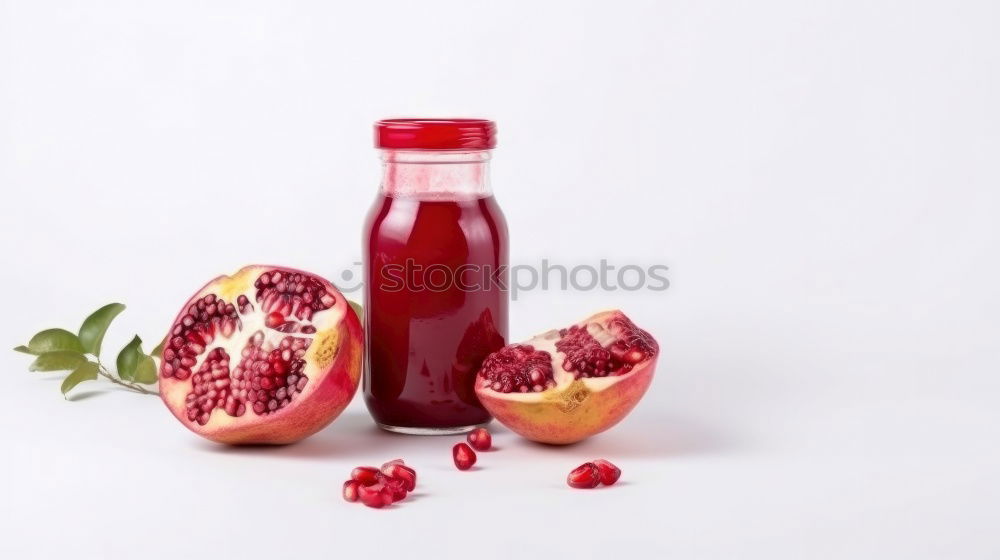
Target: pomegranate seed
x: 609, y: 472
x: 395, y: 488
x: 391, y: 495
x: 516, y: 366
x: 367, y: 476
x: 480, y: 439
x: 396, y: 471
x: 274, y: 319
x: 393, y: 462
x: 464, y: 456
x: 351, y: 490
x: 586, y: 475
x: 374, y: 496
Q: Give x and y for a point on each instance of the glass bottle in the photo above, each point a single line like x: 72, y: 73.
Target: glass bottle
x: 435, y: 258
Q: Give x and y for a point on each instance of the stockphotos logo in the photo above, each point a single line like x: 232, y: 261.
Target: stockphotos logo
x: 517, y: 279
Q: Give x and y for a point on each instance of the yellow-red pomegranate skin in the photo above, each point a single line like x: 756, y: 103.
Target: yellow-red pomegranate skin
x: 570, y: 413
x: 330, y: 398
x: 573, y: 414
x: 335, y: 358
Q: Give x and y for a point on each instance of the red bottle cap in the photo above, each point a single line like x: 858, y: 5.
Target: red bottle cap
x: 435, y: 134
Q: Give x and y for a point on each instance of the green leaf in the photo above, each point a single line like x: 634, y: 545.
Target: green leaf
x: 93, y: 328
x: 63, y: 360
x: 358, y: 309
x: 87, y: 371
x: 145, y: 371
x: 158, y: 351
x: 23, y: 349
x: 54, y: 340
x: 128, y: 359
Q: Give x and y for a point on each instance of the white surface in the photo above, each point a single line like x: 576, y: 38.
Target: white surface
x: 821, y: 177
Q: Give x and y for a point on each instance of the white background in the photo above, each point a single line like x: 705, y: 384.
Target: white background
x: 820, y: 176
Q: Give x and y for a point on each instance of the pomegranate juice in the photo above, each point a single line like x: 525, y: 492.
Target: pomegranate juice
x: 435, y: 252
x: 434, y: 307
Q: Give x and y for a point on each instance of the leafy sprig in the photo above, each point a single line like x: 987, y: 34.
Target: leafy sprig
x: 80, y: 354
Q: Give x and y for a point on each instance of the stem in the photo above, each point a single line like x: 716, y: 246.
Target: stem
x: 103, y: 371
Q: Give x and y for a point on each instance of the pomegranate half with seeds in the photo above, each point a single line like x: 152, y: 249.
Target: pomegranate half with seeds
x: 566, y: 385
x: 267, y: 355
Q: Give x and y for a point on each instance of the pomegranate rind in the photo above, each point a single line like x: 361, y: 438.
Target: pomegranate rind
x: 572, y: 410
x: 333, y: 361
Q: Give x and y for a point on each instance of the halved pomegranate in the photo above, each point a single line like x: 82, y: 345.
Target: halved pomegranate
x: 267, y: 355
x: 566, y: 385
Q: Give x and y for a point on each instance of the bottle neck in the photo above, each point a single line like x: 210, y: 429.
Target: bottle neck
x: 444, y: 175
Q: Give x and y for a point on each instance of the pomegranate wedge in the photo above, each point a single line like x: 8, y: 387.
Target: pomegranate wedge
x: 566, y: 385
x: 267, y: 355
